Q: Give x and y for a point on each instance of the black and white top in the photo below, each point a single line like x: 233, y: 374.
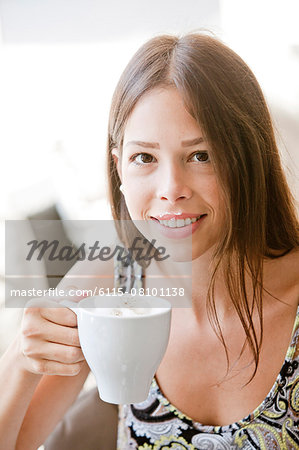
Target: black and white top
x: 157, y: 424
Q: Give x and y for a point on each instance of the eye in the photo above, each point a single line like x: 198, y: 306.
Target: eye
x: 142, y: 158
x: 202, y: 157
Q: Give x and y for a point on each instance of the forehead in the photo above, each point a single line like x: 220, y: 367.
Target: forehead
x: 161, y: 114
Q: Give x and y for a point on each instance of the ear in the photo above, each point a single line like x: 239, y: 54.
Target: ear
x: 116, y: 157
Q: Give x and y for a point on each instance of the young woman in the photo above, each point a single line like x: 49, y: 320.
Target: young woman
x: 190, y: 137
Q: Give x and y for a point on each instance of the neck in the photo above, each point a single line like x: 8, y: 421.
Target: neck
x: 202, y: 270
x: 194, y: 278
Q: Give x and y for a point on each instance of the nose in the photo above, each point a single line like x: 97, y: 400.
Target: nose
x: 172, y: 184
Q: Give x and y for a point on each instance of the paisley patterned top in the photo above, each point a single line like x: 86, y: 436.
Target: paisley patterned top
x: 157, y: 424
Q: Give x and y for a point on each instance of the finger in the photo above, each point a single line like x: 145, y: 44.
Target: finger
x: 60, y: 316
x: 51, y: 332
x: 47, y: 367
x: 65, y: 354
x: 54, y: 313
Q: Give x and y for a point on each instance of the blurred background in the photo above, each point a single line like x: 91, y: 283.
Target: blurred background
x: 59, y: 63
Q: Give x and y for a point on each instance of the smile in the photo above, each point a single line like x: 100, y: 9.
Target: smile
x: 178, y: 226
x: 179, y: 223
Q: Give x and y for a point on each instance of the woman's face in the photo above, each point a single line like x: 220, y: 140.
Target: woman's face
x: 167, y: 174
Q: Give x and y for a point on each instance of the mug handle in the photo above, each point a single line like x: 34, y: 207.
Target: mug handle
x: 70, y: 305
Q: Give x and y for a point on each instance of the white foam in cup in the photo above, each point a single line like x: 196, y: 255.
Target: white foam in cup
x: 123, y: 339
x: 125, y: 306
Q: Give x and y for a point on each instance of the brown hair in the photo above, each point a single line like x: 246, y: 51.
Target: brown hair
x: 223, y: 95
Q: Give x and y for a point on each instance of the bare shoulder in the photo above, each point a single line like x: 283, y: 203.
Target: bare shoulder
x: 282, y: 276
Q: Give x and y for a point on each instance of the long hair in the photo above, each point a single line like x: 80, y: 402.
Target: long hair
x: 222, y: 94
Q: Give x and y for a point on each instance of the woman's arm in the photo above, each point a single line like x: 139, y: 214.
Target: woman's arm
x: 30, y: 402
x: 51, y: 400
x: 44, y: 369
x: 16, y: 390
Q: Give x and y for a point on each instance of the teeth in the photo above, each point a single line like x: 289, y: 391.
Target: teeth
x: 178, y: 223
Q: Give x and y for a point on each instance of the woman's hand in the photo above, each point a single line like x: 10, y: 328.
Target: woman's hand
x: 49, y: 341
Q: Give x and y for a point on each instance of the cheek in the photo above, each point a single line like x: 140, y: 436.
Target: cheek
x: 137, y: 190
x: 219, y: 204
x: 137, y: 198
x: 212, y: 193
x: 216, y: 200
x: 217, y: 197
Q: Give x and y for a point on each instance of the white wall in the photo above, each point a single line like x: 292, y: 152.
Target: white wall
x: 266, y: 34
x: 83, y: 21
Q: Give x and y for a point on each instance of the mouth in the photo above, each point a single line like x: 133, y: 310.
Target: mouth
x: 178, y: 221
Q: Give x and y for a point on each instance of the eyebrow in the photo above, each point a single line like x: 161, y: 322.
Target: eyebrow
x: 188, y: 143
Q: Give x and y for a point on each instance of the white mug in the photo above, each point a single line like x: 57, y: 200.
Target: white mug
x: 123, y: 351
